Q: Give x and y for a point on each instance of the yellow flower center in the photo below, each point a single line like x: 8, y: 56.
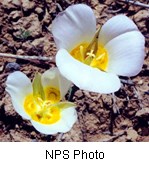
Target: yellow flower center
x: 96, y: 57
x: 43, y: 111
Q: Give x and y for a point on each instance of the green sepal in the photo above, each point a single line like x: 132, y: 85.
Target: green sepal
x: 37, y: 87
x: 64, y: 105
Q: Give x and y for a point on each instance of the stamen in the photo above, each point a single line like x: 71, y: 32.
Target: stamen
x: 100, y: 57
x: 90, y: 55
x: 82, y: 53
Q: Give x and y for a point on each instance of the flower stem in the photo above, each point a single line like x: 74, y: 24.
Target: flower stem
x: 113, y: 114
x: 73, y: 89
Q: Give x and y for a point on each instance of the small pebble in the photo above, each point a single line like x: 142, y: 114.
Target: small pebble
x: 39, y: 10
x: 34, y: 140
x: 147, y: 92
x: 16, y: 126
x: 12, y: 67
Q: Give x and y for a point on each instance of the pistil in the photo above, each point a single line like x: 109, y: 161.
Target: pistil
x: 92, y: 54
x: 94, y: 43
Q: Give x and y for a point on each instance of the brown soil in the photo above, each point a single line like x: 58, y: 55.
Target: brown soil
x: 24, y: 28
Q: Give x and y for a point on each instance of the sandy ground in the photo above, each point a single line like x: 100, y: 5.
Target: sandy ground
x: 24, y: 26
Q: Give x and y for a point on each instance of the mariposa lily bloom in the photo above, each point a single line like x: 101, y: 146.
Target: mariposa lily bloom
x: 92, y: 59
x: 39, y: 101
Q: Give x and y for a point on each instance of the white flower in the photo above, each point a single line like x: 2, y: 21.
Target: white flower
x: 94, y: 64
x: 39, y: 101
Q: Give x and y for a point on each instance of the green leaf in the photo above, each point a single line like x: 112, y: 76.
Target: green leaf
x: 37, y: 87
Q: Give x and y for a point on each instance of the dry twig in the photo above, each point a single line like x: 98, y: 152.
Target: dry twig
x: 43, y: 58
x: 60, y: 137
x: 137, y: 94
x: 59, y: 7
x: 112, y: 139
x: 68, y: 2
x: 137, y: 3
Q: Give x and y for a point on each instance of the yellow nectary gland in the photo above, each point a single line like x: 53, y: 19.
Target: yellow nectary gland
x: 42, y: 111
x: 52, y: 95
x: 98, y: 59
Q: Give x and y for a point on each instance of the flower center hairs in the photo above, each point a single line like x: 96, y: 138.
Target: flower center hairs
x: 41, y: 104
x: 92, y: 54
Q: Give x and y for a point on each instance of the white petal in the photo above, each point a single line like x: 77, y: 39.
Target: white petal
x: 18, y: 85
x: 50, y: 78
x: 65, y: 85
x: 84, y: 76
x: 53, y: 78
x: 126, y: 54
x: 68, y: 118
x: 73, y: 26
x: 114, y: 27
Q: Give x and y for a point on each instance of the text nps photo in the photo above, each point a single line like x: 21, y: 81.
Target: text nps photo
x: 75, y: 154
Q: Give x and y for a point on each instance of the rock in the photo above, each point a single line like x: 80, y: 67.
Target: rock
x: 141, y: 19
x: 144, y: 87
x: 132, y: 134
x: 108, y: 2
x: 37, y: 47
x: 26, y: 46
x: 27, y: 26
x: 140, y: 82
x: 143, y: 139
x: 9, y: 4
x: 45, y: 44
x: 1, y: 68
x: 20, y: 52
x: 47, y: 18
x: 141, y: 15
x: 79, y: 94
x: 27, y: 5
x: 12, y: 66
x: 39, y: 10
x: 19, y: 136
x: 15, y: 15
x: 8, y: 37
x: 143, y: 111
x: 16, y: 126
x: 38, y: 41
x: 91, y: 123
x: 124, y: 123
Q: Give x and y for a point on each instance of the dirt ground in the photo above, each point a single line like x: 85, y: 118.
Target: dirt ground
x: 24, y: 30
